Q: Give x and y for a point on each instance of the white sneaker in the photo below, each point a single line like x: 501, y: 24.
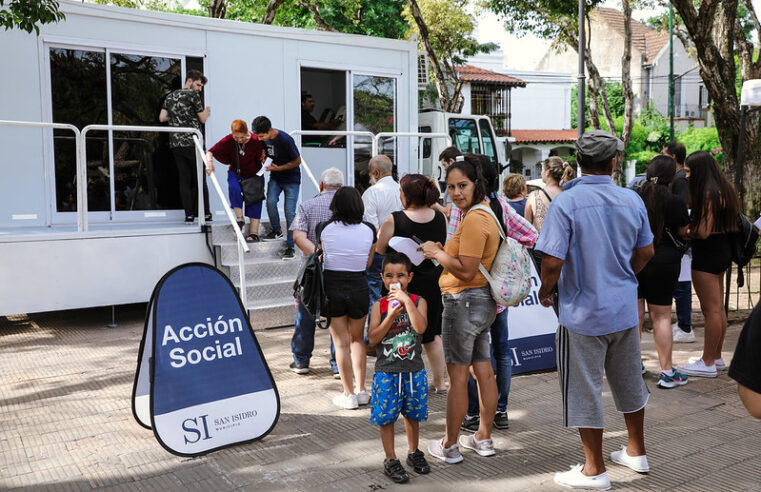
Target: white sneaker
x: 719, y: 363
x: 574, y: 479
x: 347, y: 402
x: 363, y: 397
x: 636, y: 463
x: 681, y: 336
x: 699, y: 369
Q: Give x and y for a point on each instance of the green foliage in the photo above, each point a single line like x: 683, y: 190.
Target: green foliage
x: 28, y: 14
x: 615, y: 101
x: 543, y: 18
x: 706, y: 139
x: 450, y: 29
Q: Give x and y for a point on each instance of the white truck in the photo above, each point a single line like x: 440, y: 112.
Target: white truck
x: 470, y: 134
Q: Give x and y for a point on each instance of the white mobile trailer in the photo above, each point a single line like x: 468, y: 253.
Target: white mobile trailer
x: 111, y: 66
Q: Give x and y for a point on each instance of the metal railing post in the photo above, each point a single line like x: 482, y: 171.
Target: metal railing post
x: 419, y: 135
x: 346, y: 133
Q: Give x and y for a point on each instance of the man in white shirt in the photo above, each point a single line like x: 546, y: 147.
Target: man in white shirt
x: 381, y: 200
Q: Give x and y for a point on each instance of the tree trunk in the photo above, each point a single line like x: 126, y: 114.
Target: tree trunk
x: 447, y: 102
x: 217, y: 9
x: 592, y: 108
x: 713, y: 31
x: 314, y: 8
x: 272, y: 6
x: 626, y: 84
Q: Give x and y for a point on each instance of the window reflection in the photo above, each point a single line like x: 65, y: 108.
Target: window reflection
x: 138, y: 85
x: 78, y: 95
x: 374, y: 111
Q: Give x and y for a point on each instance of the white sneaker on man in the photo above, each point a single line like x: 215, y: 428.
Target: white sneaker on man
x: 720, y: 364
x: 636, y: 463
x: 574, y: 479
x: 681, y: 336
x: 699, y: 369
x: 363, y: 397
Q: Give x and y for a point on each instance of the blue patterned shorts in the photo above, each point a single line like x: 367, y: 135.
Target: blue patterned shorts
x: 396, y: 392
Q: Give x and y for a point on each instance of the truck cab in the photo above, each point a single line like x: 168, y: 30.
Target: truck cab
x: 469, y: 133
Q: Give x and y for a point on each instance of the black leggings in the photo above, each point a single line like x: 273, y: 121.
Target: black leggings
x: 185, y: 158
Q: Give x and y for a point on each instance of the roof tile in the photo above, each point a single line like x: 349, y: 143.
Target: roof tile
x: 469, y: 73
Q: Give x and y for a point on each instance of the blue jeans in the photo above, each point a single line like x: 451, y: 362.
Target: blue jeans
x: 291, y: 191
x: 683, y: 301
x: 374, y: 280
x: 501, y: 361
x: 302, y: 342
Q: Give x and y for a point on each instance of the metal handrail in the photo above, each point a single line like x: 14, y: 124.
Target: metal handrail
x: 419, y: 135
x: 241, y: 241
x: 81, y: 173
x: 337, y: 133
x: 157, y: 129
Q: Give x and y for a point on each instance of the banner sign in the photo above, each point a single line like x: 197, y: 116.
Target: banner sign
x: 202, y: 382
x: 532, y: 330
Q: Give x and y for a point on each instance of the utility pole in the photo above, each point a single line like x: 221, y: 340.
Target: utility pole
x: 671, y: 72
x: 581, y: 109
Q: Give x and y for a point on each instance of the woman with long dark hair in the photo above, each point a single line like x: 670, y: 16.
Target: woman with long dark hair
x: 714, y: 216
x: 669, y: 222
x: 418, y: 194
x: 469, y: 311
x: 348, y: 246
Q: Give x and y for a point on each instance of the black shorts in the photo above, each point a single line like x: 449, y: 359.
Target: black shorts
x: 712, y: 254
x: 347, y: 293
x: 657, y: 282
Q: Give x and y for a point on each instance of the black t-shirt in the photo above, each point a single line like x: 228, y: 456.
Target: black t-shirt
x: 676, y: 217
x: 307, y: 123
x: 746, y: 363
x: 679, y: 186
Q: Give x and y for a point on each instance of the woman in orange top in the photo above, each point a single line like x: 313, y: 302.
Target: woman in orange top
x: 469, y: 311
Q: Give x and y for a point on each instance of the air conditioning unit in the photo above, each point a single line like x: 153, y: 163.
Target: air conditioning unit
x: 422, y: 70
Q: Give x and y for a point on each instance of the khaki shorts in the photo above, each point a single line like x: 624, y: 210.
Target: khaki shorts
x: 465, y: 324
x: 583, y: 359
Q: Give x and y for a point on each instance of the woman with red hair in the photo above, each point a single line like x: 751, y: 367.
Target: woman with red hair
x: 244, y: 153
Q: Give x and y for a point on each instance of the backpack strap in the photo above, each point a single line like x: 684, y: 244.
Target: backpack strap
x: 488, y: 210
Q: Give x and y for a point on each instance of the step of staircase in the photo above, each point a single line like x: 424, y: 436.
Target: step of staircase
x: 269, y: 278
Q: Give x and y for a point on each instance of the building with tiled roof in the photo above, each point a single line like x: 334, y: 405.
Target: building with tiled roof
x: 649, y: 67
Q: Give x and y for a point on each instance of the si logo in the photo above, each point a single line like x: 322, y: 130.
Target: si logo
x: 202, y: 382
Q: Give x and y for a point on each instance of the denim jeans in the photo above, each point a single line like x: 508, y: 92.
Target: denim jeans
x: 501, y: 361
x: 683, y: 301
x: 374, y: 280
x: 302, y: 342
x: 291, y: 191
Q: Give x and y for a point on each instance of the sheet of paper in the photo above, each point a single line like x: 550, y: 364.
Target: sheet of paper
x: 408, y: 247
x: 265, y: 167
x: 758, y: 223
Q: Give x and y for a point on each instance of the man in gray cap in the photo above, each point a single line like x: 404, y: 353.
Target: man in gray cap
x: 595, y: 238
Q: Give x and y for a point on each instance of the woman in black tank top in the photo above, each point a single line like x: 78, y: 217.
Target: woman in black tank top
x: 421, y: 223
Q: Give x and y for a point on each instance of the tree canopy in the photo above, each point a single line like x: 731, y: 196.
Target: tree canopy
x: 28, y: 14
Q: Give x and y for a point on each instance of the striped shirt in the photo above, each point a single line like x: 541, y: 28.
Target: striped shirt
x: 312, y: 212
x: 518, y: 228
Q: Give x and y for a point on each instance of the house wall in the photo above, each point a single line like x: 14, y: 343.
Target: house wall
x: 607, y: 49
x: 689, y: 83
x: 252, y: 70
x: 545, y: 102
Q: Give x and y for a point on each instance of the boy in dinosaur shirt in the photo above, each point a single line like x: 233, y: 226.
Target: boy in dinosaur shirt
x: 400, y: 385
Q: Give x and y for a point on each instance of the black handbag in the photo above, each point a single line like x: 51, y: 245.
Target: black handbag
x: 680, y: 245
x: 309, y: 288
x: 252, y: 188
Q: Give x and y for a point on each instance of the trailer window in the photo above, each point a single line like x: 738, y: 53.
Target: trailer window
x: 375, y: 112
x: 323, y: 106
x: 464, y: 135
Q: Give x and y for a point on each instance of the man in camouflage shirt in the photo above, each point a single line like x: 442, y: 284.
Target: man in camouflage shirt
x: 183, y: 108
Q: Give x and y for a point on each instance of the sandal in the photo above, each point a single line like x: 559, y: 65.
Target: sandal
x: 252, y: 238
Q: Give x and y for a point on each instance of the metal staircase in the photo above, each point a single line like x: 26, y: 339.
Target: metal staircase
x: 269, y: 279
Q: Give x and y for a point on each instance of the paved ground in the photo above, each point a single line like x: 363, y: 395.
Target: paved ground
x: 66, y: 424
